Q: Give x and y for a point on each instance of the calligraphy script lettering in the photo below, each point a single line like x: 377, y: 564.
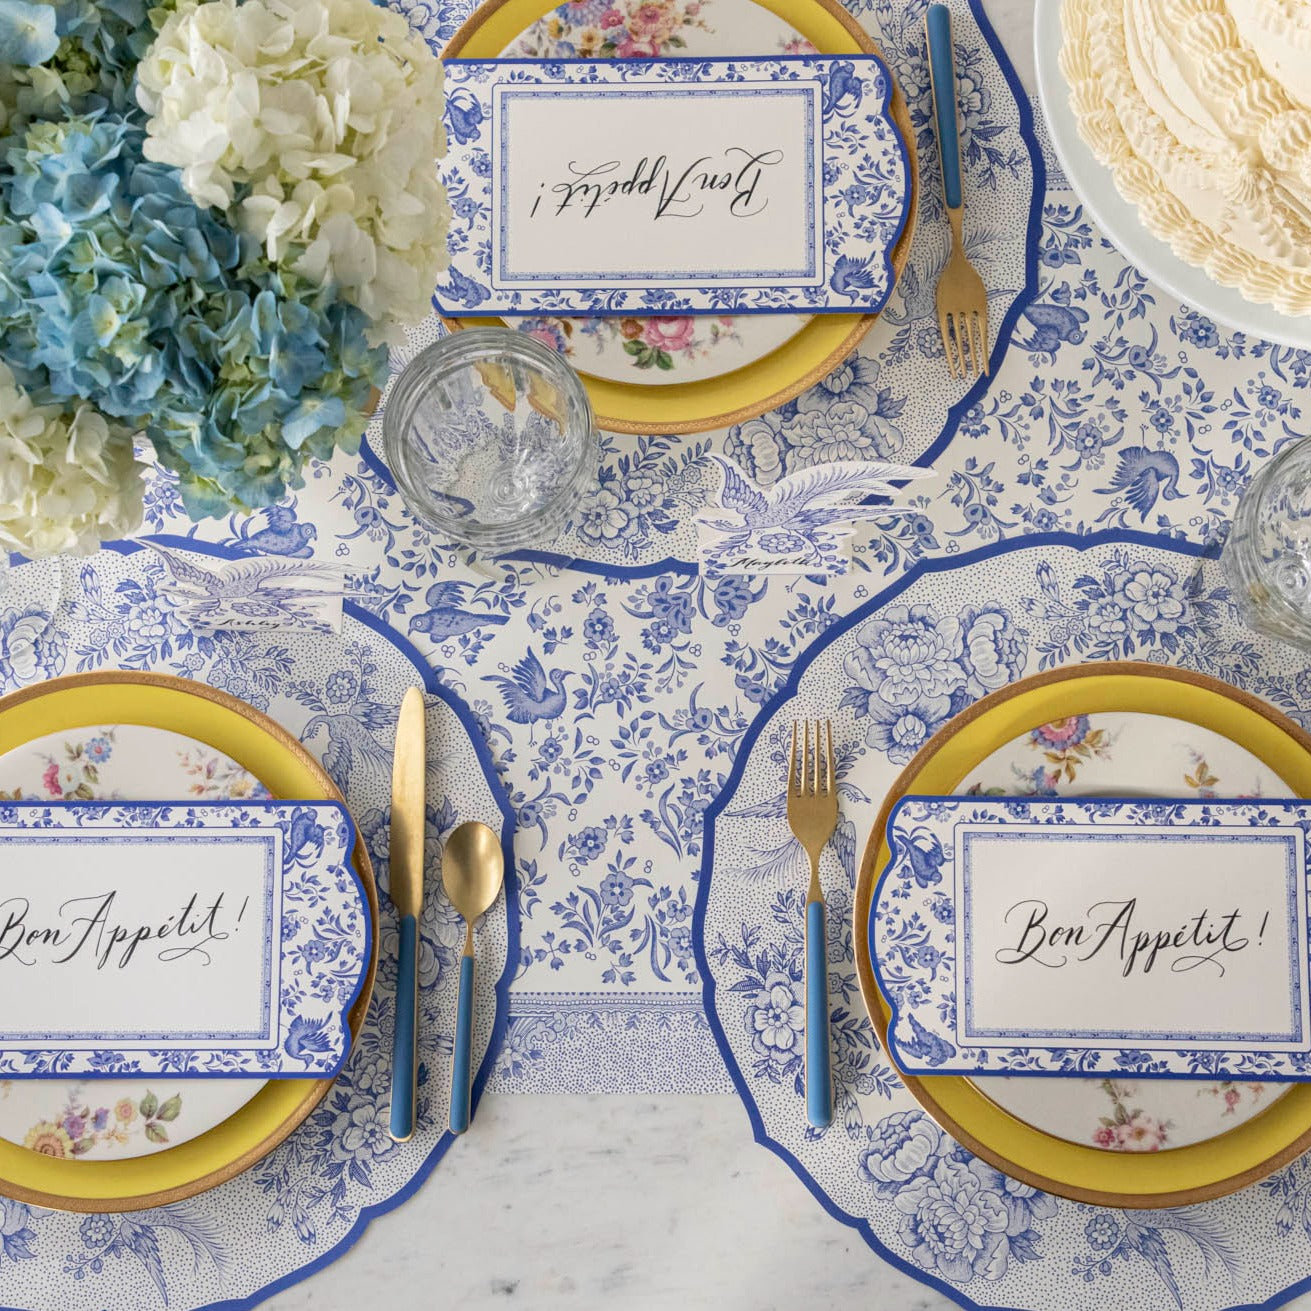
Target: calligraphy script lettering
x: 88, y: 927
x: 1112, y: 926
x: 667, y: 190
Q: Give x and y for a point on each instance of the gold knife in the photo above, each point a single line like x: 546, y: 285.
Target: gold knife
x: 409, y: 785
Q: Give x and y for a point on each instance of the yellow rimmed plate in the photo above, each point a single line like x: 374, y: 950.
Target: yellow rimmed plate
x: 801, y: 361
x: 284, y: 766
x: 1185, y: 1175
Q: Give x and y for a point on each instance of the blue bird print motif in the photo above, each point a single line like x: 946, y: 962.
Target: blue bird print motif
x: 924, y: 857
x: 351, y: 742
x: 463, y: 291
x: 530, y: 694
x: 931, y: 1049
x: 464, y: 115
x: 306, y: 837
x: 1052, y: 325
x: 307, y: 1039
x: 444, y: 618
x: 281, y: 534
x: 851, y: 275
x: 842, y: 86
x: 1143, y: 476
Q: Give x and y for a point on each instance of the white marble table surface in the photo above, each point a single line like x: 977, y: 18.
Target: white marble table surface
x: 627, y: 1202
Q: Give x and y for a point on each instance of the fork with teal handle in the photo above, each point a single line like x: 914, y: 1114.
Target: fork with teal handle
x: 812, y: 816
x: 962, y: 299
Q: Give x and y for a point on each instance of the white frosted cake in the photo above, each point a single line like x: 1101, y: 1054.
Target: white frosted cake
x: 1202, y: 110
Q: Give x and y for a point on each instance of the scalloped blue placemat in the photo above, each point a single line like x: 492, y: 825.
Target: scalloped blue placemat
x: 307, y: 1202
x: 943, y: 635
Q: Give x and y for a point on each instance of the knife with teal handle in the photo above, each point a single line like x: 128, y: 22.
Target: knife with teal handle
x: 405, y: 886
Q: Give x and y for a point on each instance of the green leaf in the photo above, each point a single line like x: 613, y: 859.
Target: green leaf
x: 149, y: 1105
x: 170, y: 1109
x: 83, y: 792
x: 91, y: 773
x: 156, y: 1133
x: 663, y: 360
x: 643, y: 356
x: 83, y: 1145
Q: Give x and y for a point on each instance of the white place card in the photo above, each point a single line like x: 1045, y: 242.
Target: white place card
x: 258, y: 593
x: 224, y: 938
x: 1052, y: 936
x: 672, y: 186
x: 800, y: 524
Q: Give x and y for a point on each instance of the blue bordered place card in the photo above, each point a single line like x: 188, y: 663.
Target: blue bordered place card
x: 672, y: 186
x: 226, y: 938
x: 1067, y: 937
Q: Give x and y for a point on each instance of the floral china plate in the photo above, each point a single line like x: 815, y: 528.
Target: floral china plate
x: 660, y: 351
x: 1122, y: 728
x: 691, y: 373
x: 113, y: 1119
x: 1127, y: 754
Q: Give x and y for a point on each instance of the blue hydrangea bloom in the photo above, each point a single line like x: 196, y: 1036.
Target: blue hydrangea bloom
x: 27, y: 32
x: 116, y: 287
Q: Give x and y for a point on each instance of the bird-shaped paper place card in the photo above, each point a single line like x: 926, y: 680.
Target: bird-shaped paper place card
x: 674, y: 186
x: 800, y: 524
x: 225, y: 939
x: 252, y: 593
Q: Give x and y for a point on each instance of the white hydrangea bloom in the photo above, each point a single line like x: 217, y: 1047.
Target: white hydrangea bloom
x: 317, y: 124
x: 66, y: 483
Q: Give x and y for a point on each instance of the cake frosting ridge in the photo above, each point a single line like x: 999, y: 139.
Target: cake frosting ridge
x: 1202, y: 110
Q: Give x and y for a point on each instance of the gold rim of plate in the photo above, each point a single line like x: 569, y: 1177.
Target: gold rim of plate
x: 288, y: 770
x: 798, y: 363
x: 1185, y: 1175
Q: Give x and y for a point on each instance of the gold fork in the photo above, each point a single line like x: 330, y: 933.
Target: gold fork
x: 962, y: 300
x: 812, y: 816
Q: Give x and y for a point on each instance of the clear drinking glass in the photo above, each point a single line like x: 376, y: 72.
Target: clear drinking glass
x: 490, y: 437
x: 1267, y: 560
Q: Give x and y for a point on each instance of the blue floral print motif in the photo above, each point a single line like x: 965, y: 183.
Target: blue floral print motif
x: 911, y: 670
x: 108, y: 1238
x: 31, y: 650
x: 959, y: 1217
x: 1126, y: 608
x: 17, y: 1236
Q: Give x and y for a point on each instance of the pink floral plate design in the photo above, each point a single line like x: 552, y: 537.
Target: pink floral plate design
x: 1126, y: 754
x: 112, y: 1119
x: 661, y: 350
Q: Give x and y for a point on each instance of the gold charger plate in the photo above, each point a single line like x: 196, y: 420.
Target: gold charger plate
x: 801, y: 361
x: 283, y: 765
x: 1185, y: 1175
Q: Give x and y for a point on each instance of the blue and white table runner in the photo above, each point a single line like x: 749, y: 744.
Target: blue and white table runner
x: 632, y: 712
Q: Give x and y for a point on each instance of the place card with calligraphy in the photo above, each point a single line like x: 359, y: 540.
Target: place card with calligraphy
x: 203, y: 938
x: 672, y: 186
x: 1078, y: 937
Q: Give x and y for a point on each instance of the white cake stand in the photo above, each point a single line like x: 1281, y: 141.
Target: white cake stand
x: 1118, y: 219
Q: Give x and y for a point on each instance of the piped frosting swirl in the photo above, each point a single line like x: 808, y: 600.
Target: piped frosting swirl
x: 1202, y: 110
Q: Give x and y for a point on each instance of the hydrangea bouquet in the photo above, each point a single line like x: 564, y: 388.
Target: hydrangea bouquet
x: 214, y: 216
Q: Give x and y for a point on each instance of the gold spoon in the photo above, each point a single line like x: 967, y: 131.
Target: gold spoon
x: 473, y: 868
